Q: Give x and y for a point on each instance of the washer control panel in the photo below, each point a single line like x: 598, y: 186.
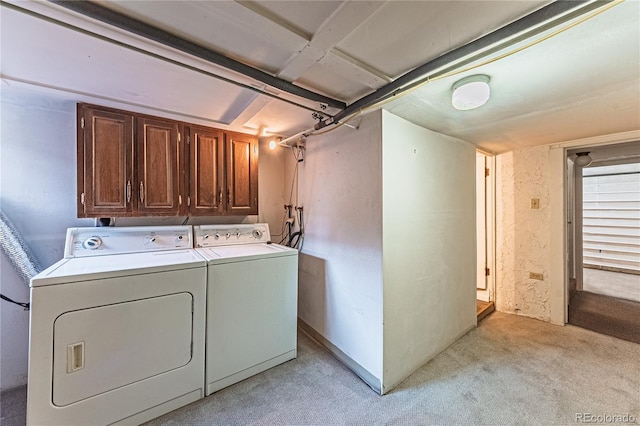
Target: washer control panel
x: 82, y: 242
x: 225, y: 235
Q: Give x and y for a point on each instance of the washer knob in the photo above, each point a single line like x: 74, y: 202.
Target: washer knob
x: 216, y: 236
x: 228, y: 234
x: 257, y: 234
x: 92, y: 243
x: 205, y: 236
x: 238, y: 234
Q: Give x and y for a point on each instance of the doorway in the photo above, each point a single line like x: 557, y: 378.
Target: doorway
x: 485, y: 231
x: 604, y: 239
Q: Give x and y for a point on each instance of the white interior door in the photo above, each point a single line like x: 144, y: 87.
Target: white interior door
x: 481, y: 228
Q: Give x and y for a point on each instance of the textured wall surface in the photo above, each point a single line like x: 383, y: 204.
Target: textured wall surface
x: 523, y: 233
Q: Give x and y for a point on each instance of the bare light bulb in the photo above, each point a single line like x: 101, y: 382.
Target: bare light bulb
x: 272, y: 145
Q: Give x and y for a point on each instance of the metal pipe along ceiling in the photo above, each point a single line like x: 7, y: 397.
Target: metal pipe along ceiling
x: 544, y: 18
x: 536, y: 22
x: 135, y: 26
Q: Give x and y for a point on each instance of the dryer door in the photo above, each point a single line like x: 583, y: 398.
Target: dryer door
x: 107, y: 347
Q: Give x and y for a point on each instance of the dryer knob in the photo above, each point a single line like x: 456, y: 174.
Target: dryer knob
x: 92, y: 243
x: 205, y: 236
x: 216, y: 236
x: 228, y: 234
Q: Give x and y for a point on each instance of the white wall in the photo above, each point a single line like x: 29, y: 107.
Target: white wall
x: 38, y: 193
x: 523, y: 233
x: 429, y: 244
x: 272, y: 184
x: 387, y: 274
x: 340, y: 288
x: 14, y: 328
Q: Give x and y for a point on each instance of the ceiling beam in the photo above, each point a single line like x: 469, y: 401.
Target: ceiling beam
x: 351, y: 68
x: 342, y: 22
x: 140, y: 28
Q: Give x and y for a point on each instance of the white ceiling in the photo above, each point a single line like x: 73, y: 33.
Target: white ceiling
x: 582, y: 82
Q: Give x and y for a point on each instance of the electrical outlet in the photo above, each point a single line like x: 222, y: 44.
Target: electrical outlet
x: 536, y: 276
x: 535, y: 203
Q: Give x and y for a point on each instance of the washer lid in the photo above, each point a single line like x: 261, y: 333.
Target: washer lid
x: 243, y: 252
x: 100, y: 267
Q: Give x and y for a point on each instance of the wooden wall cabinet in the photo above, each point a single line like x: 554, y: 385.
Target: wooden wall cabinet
x: 223, y: 172
x: 242, y: 174
x: 128, y: 164
x: 105, y: 163
x: 206, y: 183
x: 137, y: 165
x: 158, y: 155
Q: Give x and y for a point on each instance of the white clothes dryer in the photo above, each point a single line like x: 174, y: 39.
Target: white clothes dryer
x: 252, y: 302
x: 117, y: 328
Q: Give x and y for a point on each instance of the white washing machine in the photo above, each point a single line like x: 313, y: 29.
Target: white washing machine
x: 117, y: 328
x: 252, y: 302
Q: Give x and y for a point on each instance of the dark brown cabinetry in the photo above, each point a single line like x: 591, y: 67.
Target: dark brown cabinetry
x: 157, y: 167
x: 128, y: 165
x: 223, y: 172
x: 137, y: 165
x: 206, y: 183
x: 105, y: 156
x: 242, y: 174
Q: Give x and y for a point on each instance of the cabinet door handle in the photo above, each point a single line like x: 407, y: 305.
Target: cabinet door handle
x: 228, y: 195
x: 219, y: 195
x: 141, y: 192
x: 128, y: 191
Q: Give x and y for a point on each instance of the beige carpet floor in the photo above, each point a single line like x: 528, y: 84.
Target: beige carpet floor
x: 510, y: 370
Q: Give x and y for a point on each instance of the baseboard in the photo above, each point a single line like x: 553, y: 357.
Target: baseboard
x: 482, y: 296
x: 371, y: 380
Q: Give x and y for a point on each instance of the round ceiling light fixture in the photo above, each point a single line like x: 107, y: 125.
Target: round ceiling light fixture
x: 583, y: 159
x: 471, y: 92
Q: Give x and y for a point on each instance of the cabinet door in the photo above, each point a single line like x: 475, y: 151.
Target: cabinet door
x: 157, y: 166
x: 242, y: 174
x: 105, y: 156
x: 206, y: 147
